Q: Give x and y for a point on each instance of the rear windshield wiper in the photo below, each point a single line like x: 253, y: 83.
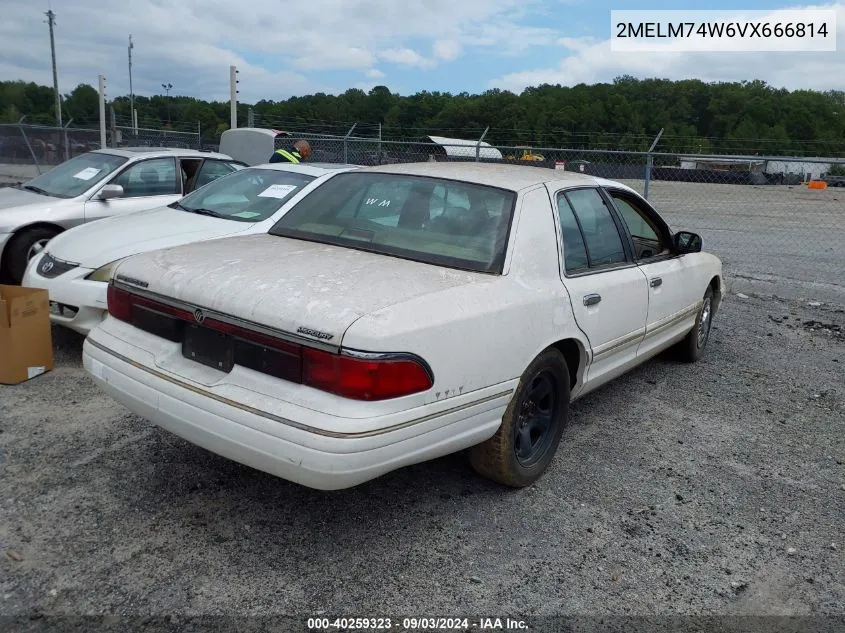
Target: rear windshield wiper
x: 43, y: 192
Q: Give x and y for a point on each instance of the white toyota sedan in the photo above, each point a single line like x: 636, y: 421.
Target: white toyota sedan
x: 95, y: 185
x: 404, y: 312
x: 76, y: 265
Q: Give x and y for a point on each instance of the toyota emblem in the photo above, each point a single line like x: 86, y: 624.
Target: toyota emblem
x: 199, y: 315
x: 47, y: 267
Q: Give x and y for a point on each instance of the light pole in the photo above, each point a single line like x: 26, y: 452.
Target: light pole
x: 167, y: 88
x: 131, y: 93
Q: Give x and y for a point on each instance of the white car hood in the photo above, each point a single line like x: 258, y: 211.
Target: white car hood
x: 103, y: 241
x: 22, y: 207
x: 286, y: 283
x: 12, y: 197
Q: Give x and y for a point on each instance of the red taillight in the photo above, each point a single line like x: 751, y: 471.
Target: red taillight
x: 346, y: 376
x: 119, y: 303
x: 363, y: 379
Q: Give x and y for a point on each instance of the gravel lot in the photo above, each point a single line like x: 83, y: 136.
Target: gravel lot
x: 714, y: 488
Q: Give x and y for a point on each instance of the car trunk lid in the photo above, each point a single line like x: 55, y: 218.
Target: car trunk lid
x: 312, y: 291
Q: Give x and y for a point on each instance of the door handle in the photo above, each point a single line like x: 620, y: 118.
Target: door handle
x: 657, y: 281
x: 592, y: 299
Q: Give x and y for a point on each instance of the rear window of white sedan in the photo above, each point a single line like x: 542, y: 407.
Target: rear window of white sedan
x: 443, y: 222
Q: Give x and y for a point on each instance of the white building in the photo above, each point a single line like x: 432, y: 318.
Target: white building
x: 808, y: 168
x: 464, y: 148
x: 719, y: 163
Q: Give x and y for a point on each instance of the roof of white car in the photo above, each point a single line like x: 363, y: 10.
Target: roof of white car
x: 513, y: 177
x: 309, y: 169
x: 157, y: 152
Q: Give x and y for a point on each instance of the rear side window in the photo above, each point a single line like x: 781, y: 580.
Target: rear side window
x: 599, y: 231
x: 211, y: 170
x: 153, y: 177
x: 574, y: 250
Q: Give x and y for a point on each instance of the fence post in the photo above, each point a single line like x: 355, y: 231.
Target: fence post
x: 345, y: 147
x: 650, y: 163
x: 199, y: 135
x: 102, y: 84
x: 250, y: 117
x: 26, y: 140
x: 113, y: 126
x: 379, y: 144
x: 64, y: 138
x: 478, y: 144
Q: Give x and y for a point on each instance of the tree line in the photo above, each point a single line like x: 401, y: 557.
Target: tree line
x: 749, y: 117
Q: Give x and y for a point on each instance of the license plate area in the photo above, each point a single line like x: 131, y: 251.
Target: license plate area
x: 208, y: 348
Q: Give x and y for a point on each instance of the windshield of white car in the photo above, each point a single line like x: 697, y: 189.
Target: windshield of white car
x: 246, y: 195
x: 75, y: 176
x: 437, y: 221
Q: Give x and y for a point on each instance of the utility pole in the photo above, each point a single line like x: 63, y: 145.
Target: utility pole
x: 51, y: 20
x: 233, y: 97
x: 131, y: 94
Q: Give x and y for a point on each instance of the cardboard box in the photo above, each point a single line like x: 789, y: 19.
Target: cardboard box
x: 26, y: 338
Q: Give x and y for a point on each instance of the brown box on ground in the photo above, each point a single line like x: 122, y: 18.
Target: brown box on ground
x: 26, y: 338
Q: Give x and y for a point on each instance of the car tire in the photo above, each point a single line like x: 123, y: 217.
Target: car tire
x: 513, y: 457
x: 692, y: 347
x: 20, y: 247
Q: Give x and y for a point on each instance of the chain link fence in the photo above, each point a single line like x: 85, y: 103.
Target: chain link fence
x: 778, y: 223
x: 28, y: 150
x: 125, y: 136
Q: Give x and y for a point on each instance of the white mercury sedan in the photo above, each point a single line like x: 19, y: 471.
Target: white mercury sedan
x: 403, y: 312
x: 75, y: 266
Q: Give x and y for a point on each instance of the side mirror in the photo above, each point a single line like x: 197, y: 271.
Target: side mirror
x: 110, y: 191
x: 686, y: 242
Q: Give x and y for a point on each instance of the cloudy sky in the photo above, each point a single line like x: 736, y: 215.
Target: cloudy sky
x: 295, y: 47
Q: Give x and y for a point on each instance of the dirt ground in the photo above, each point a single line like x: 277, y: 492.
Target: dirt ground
x: 713, y: 488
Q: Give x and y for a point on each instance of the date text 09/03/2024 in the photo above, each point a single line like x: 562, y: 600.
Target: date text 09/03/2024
x: 416, y: 624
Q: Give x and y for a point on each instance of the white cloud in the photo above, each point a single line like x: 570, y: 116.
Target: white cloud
x: 446, y: 50
x: 375, y: 73
x: 191, y: 43
x: 590, y: 60
x: 406, y: 57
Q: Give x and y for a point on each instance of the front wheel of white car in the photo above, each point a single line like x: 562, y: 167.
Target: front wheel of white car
x: 692, y: 347
x: 526, y: 442
x: 23, y: 247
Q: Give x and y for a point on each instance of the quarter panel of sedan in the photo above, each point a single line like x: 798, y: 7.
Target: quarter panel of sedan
x: 483, y: 335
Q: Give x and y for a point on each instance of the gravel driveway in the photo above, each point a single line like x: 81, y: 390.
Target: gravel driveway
x: 714, y: 488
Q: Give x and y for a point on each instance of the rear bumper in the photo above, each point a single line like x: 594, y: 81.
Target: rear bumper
x: 312, y: 458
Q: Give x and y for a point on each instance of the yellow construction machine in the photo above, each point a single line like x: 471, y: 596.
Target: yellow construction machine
x: 527, y: 154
